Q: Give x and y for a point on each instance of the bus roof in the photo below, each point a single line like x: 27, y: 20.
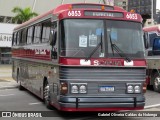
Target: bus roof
x: 152, y: 28
x: 65, y: 7
x: 85, y: 6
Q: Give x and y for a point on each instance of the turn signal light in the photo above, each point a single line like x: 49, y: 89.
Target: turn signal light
x: 70, y: 7
x: 144, y: 88
x: 103, y: 8
x: 132, y: 11
x: 63, y: 88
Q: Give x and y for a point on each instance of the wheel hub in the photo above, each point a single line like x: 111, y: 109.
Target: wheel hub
x: 46, y: 92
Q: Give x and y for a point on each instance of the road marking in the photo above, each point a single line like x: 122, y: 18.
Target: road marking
x: 151, y: 106
x: 7, y: 95
x: 34, y: 103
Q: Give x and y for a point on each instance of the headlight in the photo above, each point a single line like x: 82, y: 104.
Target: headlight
x: 137, y: 89
x: 78, y: 87
x: 134, y: 87
x: 83, y: 89
x: 74, y: 89
x: 130, y: 89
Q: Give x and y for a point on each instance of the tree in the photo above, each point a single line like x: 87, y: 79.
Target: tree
x: 23, y: 15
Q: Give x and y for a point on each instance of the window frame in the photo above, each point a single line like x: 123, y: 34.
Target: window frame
x: 42, y: 38
x: 40, y: 33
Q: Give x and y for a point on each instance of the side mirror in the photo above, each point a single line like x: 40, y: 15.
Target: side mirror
x: 146, y: 40
x: 156, y: 46
x: 53, y: 38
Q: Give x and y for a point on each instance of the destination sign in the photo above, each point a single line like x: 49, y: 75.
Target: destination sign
x: 104, y: 14
x: 79, y: 6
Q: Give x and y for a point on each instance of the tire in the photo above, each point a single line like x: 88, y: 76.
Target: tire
x: 46, y: 95
x: 20, y: 87
x: 156, y: 83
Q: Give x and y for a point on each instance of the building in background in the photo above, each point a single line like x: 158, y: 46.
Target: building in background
x: 109, y: 2
x: 144, y: 7
x: 5, y: 42
x: 122, y: 3
x: 157, y: 14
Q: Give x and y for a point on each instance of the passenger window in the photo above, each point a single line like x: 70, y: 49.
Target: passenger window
x: 24, y: 36
x: 30, y: 35
x: 54, y: 32
x: 46, y: 31
x: 18, y: 37
x: 14, y: 39
x: 37, y: 33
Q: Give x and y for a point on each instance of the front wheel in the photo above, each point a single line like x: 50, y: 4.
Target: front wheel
x: 46, y: 95
x: 156, y: 82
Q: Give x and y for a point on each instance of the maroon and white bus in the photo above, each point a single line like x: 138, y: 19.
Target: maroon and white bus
x: 82, y: 57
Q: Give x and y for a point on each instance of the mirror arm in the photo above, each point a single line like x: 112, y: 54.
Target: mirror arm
x: 54, y: 53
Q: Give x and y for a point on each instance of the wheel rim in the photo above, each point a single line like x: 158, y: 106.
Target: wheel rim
x: 46, y: 93
x: 157, y: 82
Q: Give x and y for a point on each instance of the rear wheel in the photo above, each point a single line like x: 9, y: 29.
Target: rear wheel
x: 46, y: 95
x: 156, y: 82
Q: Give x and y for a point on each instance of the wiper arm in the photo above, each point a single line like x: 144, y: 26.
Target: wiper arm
x: 118, y: 50
x: 95, y: 49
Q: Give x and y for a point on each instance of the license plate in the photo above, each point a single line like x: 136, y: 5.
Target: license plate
x: 106, y: 89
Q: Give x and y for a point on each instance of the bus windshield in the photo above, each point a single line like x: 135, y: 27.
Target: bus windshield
x: 79, y: 38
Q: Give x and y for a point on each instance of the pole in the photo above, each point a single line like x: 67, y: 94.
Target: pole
x: 62, y: 2
x: 104, y: 1
x: 152, y: 20
x: 34, y: 4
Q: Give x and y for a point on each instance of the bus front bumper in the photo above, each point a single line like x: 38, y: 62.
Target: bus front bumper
x: 101, y: 103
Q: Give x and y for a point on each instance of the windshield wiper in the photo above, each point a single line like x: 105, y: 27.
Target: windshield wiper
x: 95, y: 49
x: 118, y: 50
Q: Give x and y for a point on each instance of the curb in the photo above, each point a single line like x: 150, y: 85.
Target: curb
x: 8, y: 87
x: 152, y: 106
x: 7, y: 79
x: 7, y: 84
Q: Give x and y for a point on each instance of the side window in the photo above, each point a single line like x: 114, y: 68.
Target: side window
x: 37, y: 33
x: 46, y: 26
x: 18, y: 37
x: 24, y: 36
x: 30, y: 35
x: 14, y: 39
x: 54, y: 31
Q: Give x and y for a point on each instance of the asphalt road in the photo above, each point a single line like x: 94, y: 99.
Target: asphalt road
x: 11, y: 99
x: 14, y: 100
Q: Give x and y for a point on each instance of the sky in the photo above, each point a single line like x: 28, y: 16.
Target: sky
x: 158, y: 4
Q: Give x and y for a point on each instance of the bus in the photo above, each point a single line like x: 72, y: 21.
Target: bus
x: 82, y: 57
x: 152, y: 34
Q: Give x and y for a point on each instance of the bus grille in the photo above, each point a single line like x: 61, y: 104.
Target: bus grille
x: 95, y: 77
x: 102, y: 73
